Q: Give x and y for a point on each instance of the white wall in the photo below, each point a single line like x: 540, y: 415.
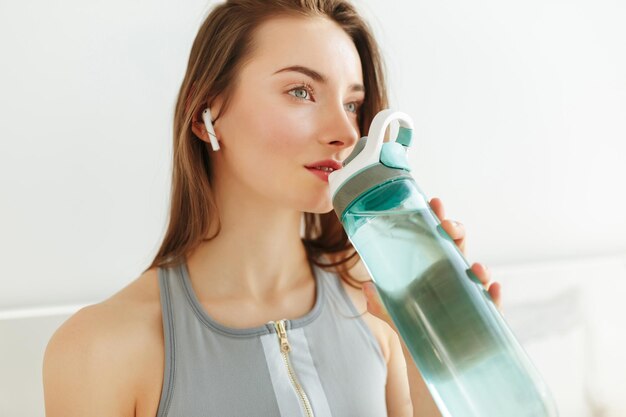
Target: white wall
x: 520, y: 129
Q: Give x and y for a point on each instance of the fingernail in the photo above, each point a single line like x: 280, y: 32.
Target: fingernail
x: 473, y: 276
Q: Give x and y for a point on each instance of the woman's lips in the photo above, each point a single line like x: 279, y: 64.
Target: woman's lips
x: 323, y: 175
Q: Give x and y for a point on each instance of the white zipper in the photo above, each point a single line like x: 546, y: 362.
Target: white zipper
x: 285, y: 348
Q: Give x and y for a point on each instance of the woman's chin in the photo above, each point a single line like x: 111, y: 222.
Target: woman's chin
x: 320, y: 207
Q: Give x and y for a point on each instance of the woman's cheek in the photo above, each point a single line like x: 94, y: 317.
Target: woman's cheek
x: 289, y: 131
x: 279, y: 122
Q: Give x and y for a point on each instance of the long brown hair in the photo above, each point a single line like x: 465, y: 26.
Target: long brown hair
x: 223, y: 43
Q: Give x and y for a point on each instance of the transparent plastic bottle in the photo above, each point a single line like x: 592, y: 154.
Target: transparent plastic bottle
x: 467, y: 354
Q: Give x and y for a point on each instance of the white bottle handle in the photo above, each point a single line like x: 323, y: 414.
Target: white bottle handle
x: 370, y: 155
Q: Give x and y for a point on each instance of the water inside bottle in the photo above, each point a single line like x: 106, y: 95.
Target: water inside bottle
x: 450, y: 325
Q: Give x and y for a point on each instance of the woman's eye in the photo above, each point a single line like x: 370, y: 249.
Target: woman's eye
x: 305, y: 92
x: 300, y: 93
x: 354, y: 107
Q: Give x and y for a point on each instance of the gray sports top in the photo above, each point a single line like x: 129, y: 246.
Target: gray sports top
x: 325, y: 363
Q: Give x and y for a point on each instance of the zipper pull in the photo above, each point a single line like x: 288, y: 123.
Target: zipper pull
x: 282, y: 335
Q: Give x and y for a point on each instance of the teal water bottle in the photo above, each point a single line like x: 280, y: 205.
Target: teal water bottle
x: 465, y: 351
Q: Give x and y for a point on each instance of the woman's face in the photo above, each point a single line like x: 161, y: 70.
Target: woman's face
x: 281, y: 120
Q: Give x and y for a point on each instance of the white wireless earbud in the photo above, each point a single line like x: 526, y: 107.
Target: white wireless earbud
x: 206, y: 116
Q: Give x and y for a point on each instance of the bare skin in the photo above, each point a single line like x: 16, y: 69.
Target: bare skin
x: 108, y: 358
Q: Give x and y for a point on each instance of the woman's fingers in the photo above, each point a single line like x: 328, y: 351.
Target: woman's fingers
x: 494, y: 292
x: 484, y: 276
x: 456, y: 230
x: 482, y: 272
x: 437, y: 206
x: 453, y: 228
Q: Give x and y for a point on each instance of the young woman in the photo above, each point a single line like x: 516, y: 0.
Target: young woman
x: 254, y: 304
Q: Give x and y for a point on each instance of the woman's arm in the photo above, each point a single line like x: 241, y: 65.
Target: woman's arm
x: 422, y: 402
x: 406, y: 391
x: 407, y: 394
x: 86, y: 370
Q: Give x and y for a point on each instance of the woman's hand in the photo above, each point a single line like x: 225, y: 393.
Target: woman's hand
x: 457, y: 233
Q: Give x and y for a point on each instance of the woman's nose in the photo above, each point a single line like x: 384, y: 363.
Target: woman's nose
x: 341, y: 129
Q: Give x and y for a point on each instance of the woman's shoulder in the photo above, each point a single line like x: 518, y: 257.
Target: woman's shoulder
x: 130, y: 312
x: 109, y: 346
x: 134, y: 312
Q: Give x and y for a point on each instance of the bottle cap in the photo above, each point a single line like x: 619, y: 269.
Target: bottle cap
x: 372, y: 162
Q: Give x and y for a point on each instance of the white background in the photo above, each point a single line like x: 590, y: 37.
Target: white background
x: 520, y: 128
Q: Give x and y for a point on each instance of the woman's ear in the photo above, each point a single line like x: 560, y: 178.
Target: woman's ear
x: 198, y: 127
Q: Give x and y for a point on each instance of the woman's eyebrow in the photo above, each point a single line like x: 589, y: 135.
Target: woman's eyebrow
x: 316, y: 76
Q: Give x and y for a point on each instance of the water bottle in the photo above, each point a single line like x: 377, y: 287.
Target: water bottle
x: 469, y: 358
